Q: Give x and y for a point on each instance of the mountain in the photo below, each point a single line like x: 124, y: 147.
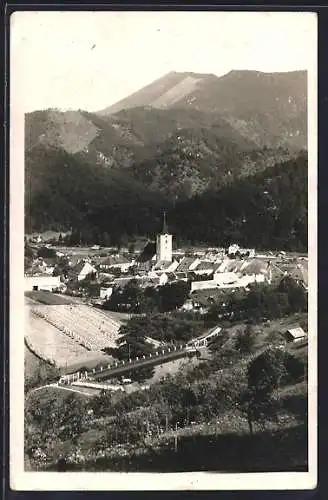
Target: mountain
x: 176, y: 153
x: 268, y: 108
x: 162, y: 93
x: 183, y: 136
x: 270, y: 212
x: 64, y: 191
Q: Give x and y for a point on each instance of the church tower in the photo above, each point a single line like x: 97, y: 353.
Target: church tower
x: 164, y: 244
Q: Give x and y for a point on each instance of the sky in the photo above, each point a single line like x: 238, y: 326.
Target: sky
x: 90, y: 60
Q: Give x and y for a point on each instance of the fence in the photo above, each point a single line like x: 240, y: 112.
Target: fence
x: 115, y: 367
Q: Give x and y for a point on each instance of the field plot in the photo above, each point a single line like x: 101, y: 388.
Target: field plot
x: 87, y: 326
x: 51, y: 344
x: 69, y: 336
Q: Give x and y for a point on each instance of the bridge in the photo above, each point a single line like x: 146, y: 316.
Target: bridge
x: 163, y: 355
x: 120, y: 367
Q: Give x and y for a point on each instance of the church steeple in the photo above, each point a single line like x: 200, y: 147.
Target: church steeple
x: 165, y: 229
x: 164, y: 243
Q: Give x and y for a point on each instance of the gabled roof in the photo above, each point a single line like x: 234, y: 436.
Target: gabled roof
x: 205, y: 266
x: 255, y: 266
x: 148, y: 252
x: 233, y: 265
x: 162, y: 265
x: 296, y: 332
x: 185, y: 264
x: 77, y: 269
x: 113, y: 260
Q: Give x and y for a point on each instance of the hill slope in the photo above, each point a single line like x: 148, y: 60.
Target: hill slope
x: 65, y: 192
x: 269, y: 108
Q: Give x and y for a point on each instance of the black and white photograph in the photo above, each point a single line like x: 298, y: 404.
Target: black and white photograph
x: 163, y: 233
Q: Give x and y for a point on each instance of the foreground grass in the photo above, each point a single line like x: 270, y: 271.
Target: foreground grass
x: 266, y: 451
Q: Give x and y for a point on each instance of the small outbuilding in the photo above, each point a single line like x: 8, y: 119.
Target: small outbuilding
x: 296, y: 334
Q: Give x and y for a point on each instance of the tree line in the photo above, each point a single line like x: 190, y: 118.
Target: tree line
x: 111, y: 207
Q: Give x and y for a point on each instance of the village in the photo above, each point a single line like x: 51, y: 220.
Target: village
x: 94, y: 275
x: 80, y: 297
x: 110, y: 337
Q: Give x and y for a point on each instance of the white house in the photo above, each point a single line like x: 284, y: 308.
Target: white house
x: 43, y: 282
x: 105, y: 292
x: 48, y: 265
x: 81, y: 270
x: 233, y: 249
x: 116, y: 262
x: 226, y: 278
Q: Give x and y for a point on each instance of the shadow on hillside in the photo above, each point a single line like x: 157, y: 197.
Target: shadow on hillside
x: 284, y: 450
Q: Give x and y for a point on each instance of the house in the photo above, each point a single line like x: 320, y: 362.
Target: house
x: 81, y: 270
x: 188, y: 264
x: 202, y: 285
x: 188, y: 305
x: 236, y: 250
x: 225, y: 278
x: 115, y: 262
x: 42, y: 282
x: 49, y: 265
x: 105, y: 292
x: 181, y: 276
x: 121, y: 282
x: 153, y: 281
x: 166, y: 266
x: 296, y: 334
x: 204, y: 267
x: 300, y: 274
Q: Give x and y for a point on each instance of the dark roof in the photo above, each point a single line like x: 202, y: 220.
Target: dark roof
x: 148, y: 252
x: 162, y: 265
x: 185, y: 264
x: 113, y: 260
x: 76, y: 270
x: 205, y: 266
x: 50, y: 261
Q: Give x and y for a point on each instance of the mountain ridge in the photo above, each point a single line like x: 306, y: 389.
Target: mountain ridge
x: 203, y: 132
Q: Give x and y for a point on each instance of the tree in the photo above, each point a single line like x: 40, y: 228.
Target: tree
x: 106, y: 239
x: 297, y: 297
x: 102, y: 404
x: 127, y: 298
x: 74, y: 418
x: 258, y: 408
x: 245, y: 340
x: 173, y: 296
x: 47, y: 253
x: 259, y: 402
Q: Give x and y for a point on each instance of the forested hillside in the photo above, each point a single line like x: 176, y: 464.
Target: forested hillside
x: 266, y: 210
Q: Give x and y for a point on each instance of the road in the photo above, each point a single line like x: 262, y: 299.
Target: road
x: 153, y: 361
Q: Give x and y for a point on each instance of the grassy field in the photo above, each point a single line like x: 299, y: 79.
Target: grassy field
x: 48, y: 298
x: 32, y: 363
